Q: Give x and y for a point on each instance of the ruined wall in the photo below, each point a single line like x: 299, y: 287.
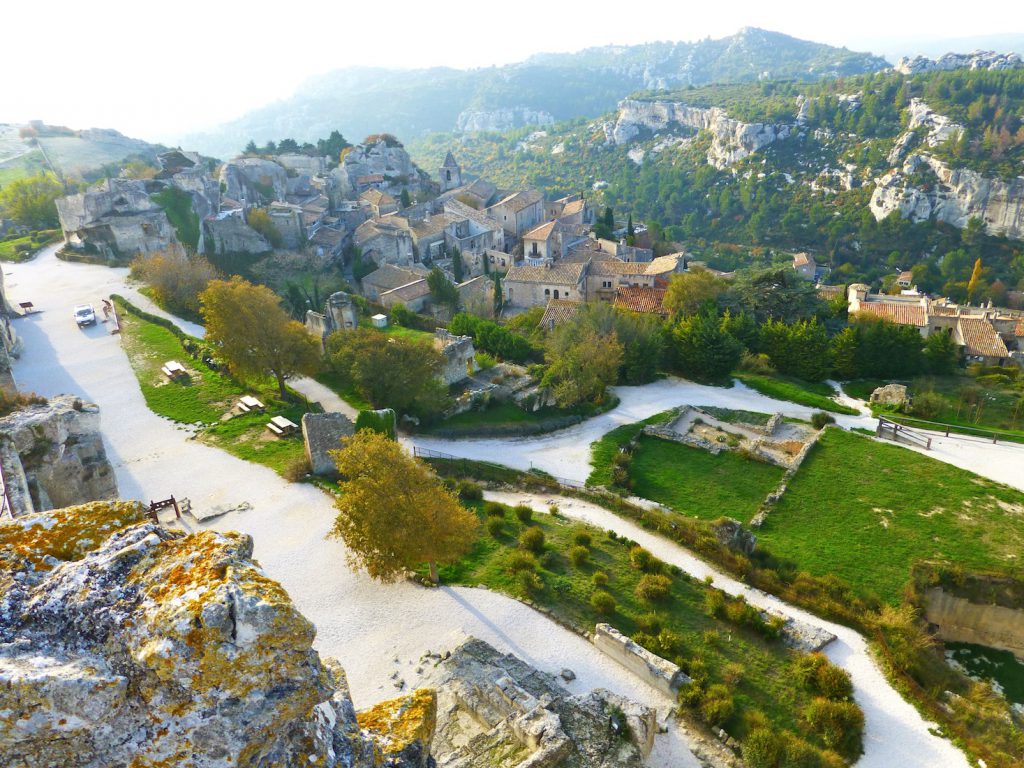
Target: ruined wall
x: 962, y: 621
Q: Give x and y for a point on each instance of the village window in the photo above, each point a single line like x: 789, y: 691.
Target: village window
x: 447, y: 175
x: 547, y: 291
x: 556, y: 293
x: 606, y: 284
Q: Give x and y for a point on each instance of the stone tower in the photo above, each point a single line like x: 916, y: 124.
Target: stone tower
x: 450, y: 173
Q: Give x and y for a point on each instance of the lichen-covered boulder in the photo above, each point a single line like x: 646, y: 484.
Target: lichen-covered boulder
x: 890, y: 394
x: 122, y: 643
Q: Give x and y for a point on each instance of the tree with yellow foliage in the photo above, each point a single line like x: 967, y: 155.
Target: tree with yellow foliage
x: 393, y: 511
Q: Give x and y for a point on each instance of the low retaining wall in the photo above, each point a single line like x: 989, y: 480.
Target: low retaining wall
x: 773, y: 498
x: 654, y: 670
x: 961, y: 621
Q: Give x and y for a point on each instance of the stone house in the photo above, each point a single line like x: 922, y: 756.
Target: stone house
x: 387, y: 277
x: 572, y: 209
x: 459, y: 356
x: 381, y: 203
x: 519, y: 212
x: 905, y: 279
x: 805, y: 266
x: 287, y: 219
x: 605, y: 276
x: 551, y: 241
x: 618, y: 249
x: 559, y: 311
x: 902, y: 310
x: 476, y: 296
x: 980, y: 341
x: 478, y: 194
x: 414, y: 295
x: 328, y: 242
x: 385, y: 242
x: 529, y: 286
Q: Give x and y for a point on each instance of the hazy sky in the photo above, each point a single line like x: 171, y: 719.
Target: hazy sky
x: 155, y: 70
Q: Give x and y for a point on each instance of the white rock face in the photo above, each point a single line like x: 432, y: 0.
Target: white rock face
x: 252, y: 179
x: 385, y: 158
x: 732, y: 141
x: 501, y: 119
x: 973, y: 60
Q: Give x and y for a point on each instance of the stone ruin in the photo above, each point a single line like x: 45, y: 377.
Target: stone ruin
x: 459, y: 356
x: 52, y: 455
x: 124, y: 643
x: 323, y: 433
x: 340, y: 313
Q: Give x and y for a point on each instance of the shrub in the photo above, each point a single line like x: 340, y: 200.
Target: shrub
x: 732, y: 674
x: 649, y: 623
x: 927, y: 405
x: 602, y: 602
x: 494, y: 509
x: 599, y: 579
x: 524, y: 513
x: 714, y: 602
x: 644, y: 561
x: 582, y: 539
x: 820, y: 419
x: 578, y: 556
x: 553, y: 510
x: 521, y: 561
x: 797, y: 753
x: 485, y: 361
x: 495, y: 526
x: 815, y: 673
x: 840, y: 724
x: 297, y: 469
x: 532, y: 540
x: 717, y: 705
x: 530, y: 582
x: 470, y: 491
x: 653, y: 588
x: 762, y: 748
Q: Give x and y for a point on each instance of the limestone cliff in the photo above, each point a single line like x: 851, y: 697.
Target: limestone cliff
x: 952, y: 195
x: 53, y: 455
x: 974, y: 60
x: 732, y: 140
x: 122, y: 643
x: 501, y: 119
x: 382, y: 157
x: 254, y: 180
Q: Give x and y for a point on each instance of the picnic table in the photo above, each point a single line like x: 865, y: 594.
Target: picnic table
x: 27, y: 306
x: 249, y: 403
x: 172, y: 369
x: 281, y: 426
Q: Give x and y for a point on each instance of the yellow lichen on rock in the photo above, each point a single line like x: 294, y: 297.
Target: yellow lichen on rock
x: 403, y: 726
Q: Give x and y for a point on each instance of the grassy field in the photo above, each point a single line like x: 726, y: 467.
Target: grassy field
x: 757, y: 671
x: 206, y: 396
x: 692, y: 481
x: 866, y: 511
x: 813, y: 395
x: 602, y: 452
x: 24, y: 248
x: 22, y: 167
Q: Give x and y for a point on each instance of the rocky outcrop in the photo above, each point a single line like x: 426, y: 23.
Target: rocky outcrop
x: 495, y: 711
x: 890, y: 394
x: 732, y: 140
x: 501, y: 119
x: 115, y: 218
x: 230, y: 234
x: 383, y: 157
x: 59, y: 452
x: 124, y: 643
x: 975, y: 60
x: 954, y: 196
x: 254, y: 180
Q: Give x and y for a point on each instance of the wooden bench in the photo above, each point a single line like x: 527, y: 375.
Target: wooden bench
x: 27, y: 306
x: 281, y: 426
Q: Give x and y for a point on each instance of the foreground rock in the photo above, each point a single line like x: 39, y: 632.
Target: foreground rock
x: 495, y: 711
x: 123, y: 643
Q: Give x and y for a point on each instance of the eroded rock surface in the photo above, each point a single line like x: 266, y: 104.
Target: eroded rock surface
x: 122, y: 643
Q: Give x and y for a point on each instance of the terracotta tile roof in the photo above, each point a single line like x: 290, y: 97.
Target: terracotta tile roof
x: 328, y: 237
x: 388, y: 277
x: 543, y: 232
x: 801, y: 259
x: 641, y: 299
x: 376, y: 197
x: 573, y: 207
x: 559, y: 311
x: 906, y: 277
x: 664, y: 264
x: 902, y: 313
x: 612, y: 267
x: 1018, y: 330
x: 459, y: 209
x: 517, y: 201
x: 980, y: 338
x: 562, y: 273
x: 373, y: 178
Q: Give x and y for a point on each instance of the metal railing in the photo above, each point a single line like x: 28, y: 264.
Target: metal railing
x: 427, y: 453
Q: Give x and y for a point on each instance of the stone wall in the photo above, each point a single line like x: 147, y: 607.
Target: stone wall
x: 232, y: 235
x: 960, y: 620
x: 124, y: 643
x: 654, y: 670
x: 61, y: 452
x: 323, y: 433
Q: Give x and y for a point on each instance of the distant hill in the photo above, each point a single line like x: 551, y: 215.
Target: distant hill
x: 541, y: 90
x: 25, y: 150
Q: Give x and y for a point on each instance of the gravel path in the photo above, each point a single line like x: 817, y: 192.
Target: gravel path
x: 374, y: 630
x: 895, y: 735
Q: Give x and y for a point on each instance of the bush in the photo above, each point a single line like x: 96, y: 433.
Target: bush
x: 530, y: 582
x: 649, y: 623
x: 521, y: 561
x: 582, y: 539
x: 840, y: 724
x: 578, y: 556
x: 644, y: 561
x: 714, y: 603
x: 524, y: 513
x: 532, y: 540
x: 927, y: 405
x: 599, y: 579
x: 494, y: 509
x: 470, y: 491
x: 815, y: 673
x: 762, y: 748
x: 297, y: 470
x: 602, y: 602
x: 716, y: 705
x: 653, y: 588
x: 495, y: 526
x: 820, y: 419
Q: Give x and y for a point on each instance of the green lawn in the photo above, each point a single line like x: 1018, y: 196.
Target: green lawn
x: 500, y: 414
x: 866, y: 511
x: 342, y: 389
x: 14, y: 250
x: 694, y: 482
x: 603, y: 451
x: 206, y: 396
x: 758, y: 671
x: 812, y: 394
